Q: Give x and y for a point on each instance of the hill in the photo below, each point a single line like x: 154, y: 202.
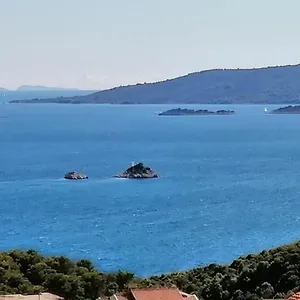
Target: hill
x: 270, y: 274
x: 273, y: 85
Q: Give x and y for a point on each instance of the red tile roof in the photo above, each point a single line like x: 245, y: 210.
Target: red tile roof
x: 157, y: 294
x: 295, y: 297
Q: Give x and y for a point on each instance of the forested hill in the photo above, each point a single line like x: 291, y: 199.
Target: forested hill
x: 272, y: 274
x: 276, y: 85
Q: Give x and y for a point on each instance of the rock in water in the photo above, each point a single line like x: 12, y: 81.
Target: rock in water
x: 75, y: 176
x: 138, y: 171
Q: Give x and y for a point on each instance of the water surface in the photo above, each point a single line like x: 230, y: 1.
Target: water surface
x: 229, y: 186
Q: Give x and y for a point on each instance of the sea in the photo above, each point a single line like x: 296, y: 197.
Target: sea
x: 229, y: 186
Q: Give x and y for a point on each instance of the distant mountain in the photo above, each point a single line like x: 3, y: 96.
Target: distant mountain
x: 3, y: 89
x: 9, y: 96
x: 26, y: 88
x: 273, y: 85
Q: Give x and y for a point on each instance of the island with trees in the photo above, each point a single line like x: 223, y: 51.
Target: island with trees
x: 192, y: 112
x: 267, y: 275
x: 291, y: 109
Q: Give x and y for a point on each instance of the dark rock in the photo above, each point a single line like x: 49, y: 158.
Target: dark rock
x: 287, y: 110
x: 188, y: 112
x: 75, y: 176
x: 138, y: 171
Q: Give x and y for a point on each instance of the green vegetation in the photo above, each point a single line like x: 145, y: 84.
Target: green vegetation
x: 30, y: 273
x: 270, y: 274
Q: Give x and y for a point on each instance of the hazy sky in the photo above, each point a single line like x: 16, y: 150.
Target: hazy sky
x: 97, y: 44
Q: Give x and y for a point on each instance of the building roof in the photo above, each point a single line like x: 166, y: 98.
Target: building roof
x: 295, y: 297
x: 42, y: 296
x: 157, y: 294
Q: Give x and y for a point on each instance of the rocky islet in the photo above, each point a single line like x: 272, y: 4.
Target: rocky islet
x: 138, y: 171
x: 74, y: 175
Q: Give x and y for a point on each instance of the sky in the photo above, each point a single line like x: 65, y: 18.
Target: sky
x: 99, y: 44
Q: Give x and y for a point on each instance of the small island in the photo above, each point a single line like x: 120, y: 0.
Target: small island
x: 138, y: 171
x: 287, y: 110
x: 74, y: 175
x: 192, y: 112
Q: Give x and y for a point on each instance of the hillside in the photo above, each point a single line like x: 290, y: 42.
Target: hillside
x: 270, y: 274
x: 273, y: 85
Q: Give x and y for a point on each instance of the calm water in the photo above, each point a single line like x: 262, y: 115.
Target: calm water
x: 229, y: 186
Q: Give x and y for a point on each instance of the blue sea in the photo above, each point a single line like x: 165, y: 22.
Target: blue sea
x: 230, y: 185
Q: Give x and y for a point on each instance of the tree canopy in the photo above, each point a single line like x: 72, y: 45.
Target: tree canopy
x: 271, y: 274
